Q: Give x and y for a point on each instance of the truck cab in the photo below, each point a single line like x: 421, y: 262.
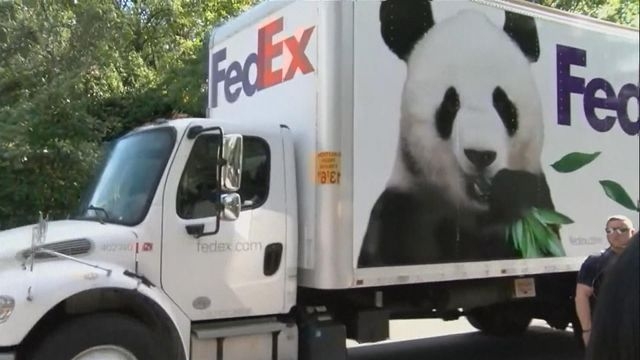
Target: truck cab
x: 181, y: 215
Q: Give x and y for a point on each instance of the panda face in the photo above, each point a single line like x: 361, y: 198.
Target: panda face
x: 470, y: 107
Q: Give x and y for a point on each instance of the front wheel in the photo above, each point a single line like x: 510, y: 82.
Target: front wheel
x: 502, y: 320
x: 108, y: 336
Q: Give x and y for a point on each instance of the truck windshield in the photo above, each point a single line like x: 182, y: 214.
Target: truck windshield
x: 126, y: 181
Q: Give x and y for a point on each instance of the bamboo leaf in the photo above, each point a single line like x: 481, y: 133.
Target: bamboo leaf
x: 535, y: 233
x: 544, y: 239
x: 530, y: 247
x: 519, y: 230
x: 574, y: 161
x: 547, y: 240
x: 524, y: 240
x: 615, y: 192
x: 515, y: 235
x: 548, y: 216
x: 555, y: 247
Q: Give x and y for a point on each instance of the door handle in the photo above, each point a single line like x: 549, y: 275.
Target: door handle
x: 272, y: 258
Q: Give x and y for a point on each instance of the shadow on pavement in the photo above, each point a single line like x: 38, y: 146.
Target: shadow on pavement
x: 538, y: 343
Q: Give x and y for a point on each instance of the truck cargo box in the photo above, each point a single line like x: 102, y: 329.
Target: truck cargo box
x: 439, y: 140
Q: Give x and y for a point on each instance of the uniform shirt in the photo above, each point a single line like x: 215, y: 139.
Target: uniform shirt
x: 594, y: 268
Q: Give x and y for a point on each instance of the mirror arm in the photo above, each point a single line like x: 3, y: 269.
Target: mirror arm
x: 197, y: 230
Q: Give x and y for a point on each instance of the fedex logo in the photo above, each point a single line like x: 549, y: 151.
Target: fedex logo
x: 597, y: 93
x: 235, y: 78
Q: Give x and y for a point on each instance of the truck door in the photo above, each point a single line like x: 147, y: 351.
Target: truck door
x: 238, y: 271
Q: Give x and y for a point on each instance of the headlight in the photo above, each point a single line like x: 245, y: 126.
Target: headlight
x: 6, y: 307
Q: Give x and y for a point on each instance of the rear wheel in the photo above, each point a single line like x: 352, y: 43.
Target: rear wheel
x: 108, y: 336
x: 500, y: 320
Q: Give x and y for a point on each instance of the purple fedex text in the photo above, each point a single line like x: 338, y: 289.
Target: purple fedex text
x: 598, y: 93
x: 235, y: 78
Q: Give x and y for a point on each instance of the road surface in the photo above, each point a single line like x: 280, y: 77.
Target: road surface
x: 436, y: 339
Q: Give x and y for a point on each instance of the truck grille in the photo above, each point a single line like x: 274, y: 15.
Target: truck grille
x: 69, y: 247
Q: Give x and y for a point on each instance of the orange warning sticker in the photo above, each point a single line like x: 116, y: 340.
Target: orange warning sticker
x: 328, y: 168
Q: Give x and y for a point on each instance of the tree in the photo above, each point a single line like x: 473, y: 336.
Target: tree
x: 74, y: 73
x: 624, y: 12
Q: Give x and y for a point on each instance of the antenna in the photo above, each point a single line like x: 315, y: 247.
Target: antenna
x: 38, y: 237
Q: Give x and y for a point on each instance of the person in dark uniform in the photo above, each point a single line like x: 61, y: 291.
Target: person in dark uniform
x: 619, y: 230
x: 616, y: 320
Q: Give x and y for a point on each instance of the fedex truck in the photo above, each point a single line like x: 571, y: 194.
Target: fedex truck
x: 360, y: 161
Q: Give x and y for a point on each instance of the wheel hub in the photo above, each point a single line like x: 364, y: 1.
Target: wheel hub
x: 106, y: 352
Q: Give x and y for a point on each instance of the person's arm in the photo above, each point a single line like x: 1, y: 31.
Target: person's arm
x: 583, y: 309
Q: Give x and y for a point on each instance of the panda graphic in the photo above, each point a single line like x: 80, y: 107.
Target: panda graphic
x: 471, y: 135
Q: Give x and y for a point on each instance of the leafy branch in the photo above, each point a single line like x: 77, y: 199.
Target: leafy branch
x: 535, y: 235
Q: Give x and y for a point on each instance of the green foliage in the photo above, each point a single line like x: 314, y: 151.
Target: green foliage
x: 624, y: 12
x: 74, y: 73
x: 536, y: 235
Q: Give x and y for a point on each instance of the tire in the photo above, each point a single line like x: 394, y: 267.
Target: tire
x: 502, y: 320
x: 111, y: 332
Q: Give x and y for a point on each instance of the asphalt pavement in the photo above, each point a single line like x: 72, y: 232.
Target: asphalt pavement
x: 452, y: 340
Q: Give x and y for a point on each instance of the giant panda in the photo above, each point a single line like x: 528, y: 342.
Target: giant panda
x: 470, y: 141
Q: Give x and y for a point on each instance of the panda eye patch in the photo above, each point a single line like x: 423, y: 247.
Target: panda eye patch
x: 446, y: 113
x: 506, y: 109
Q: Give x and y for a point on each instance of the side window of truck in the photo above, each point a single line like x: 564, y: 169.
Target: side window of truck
x: 254, y: 187
x: 198, y: 186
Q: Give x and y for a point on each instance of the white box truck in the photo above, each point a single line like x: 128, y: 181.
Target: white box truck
x: 361, y: 161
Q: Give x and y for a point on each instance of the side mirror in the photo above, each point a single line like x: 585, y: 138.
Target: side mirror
x: 232, y: 168
x: 231, y: 206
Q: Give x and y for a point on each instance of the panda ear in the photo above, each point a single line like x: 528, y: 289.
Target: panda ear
x: 403, y: 23
x: 522, y: 29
